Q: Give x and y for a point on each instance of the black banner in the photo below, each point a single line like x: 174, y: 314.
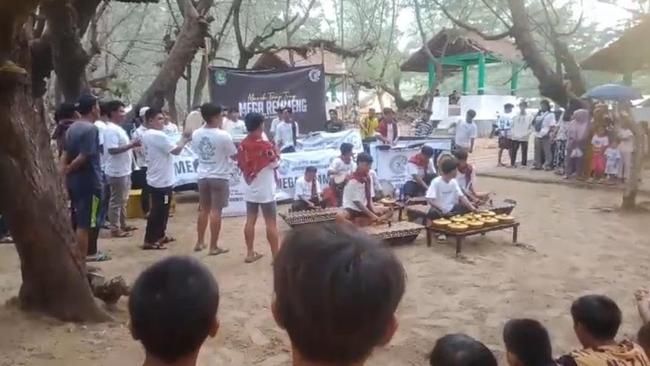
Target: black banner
x: 301, y: 88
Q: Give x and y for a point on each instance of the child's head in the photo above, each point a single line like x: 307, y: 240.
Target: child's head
x: 449, y: 167
x: 596, y: 318
x: 613, y: 143
x: 527, y: 343
x: 471, y: 114
x: 173, y: 307
x: 461, y: 156
x: 460, y: 350
x: 346, y: 150
x: 427, y: 151
x: 212, y: 114
x: 643, y: 338
x: 254, y: 123
x: 508, y: 107
x: 364, y: 163
x: 310, y: 173
x: 336, y: 292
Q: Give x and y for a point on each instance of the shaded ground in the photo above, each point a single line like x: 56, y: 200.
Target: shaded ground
x: 578, y: 250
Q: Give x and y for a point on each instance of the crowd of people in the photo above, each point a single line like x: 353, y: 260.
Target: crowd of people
x: 594, y: 144
x: 336, y: 292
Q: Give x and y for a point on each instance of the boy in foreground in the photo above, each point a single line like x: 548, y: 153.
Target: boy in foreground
x: 358, y: 208
x: 172, y: 333
x: 596, y: 320
x: 444, y: 195
x: 336, y: 293
x: 258, y: 159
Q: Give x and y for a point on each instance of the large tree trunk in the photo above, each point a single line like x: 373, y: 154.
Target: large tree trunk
x: 32, y: 199
x: 190, y: 38
x: 632, y: 186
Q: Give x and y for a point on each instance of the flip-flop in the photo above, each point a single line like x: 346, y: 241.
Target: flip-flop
x: 129, y: 228
x: 218, y: 251
x: 98, y: 257
x: 199, y: 247
x: 121, y: 234
x: 256, y: 256
x: 154, y: 246
x: 167, y: 239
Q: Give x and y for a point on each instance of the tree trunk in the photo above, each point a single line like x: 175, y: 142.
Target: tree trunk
x: 190, y: 38
x: 32, y: 200
x: 632, y: 186
x: 201, y: 80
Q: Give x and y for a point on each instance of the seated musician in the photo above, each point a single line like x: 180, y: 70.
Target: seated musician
x: 307, y: 191
x: 421, y: 172
x: 445, y: 196
x: 339, y: 172
x: 357, y: 197
x: 467, y: 179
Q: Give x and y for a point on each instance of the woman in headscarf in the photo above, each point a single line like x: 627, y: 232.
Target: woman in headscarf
x: 576, y: 146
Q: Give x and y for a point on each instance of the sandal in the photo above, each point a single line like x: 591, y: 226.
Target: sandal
x: 167, y: 239
x: 129, y: 228
x: 98, y: 257
x: 218, y: 251
x: 154, y: 246
x: 7, y: 240
x: 256, y: 256
x: 120, y: 234
x: 199, y: 247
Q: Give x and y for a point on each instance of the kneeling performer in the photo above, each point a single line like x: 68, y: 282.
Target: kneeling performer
x: 307, y: 191
x: 358, y: 208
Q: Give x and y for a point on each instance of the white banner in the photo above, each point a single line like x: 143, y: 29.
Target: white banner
x: 327, y: 140
x: 292, y: 166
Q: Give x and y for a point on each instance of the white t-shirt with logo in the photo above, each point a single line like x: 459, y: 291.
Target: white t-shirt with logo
x: 354, y: 191
x: 234, y: 128
x: 339, y: 167
x: 284, y: 134
x: 262, y: 188
x: 465, y: 132
x: 117, y: 165
x: 160, y: 162
x: 303, y: 189
x: 445, y: 194
x: 214, y: 147
x: 101, y: 126
x: 414, y: 169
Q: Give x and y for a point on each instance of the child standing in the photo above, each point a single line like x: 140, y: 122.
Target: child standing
x: 614, y: 161
x: 599, y: 144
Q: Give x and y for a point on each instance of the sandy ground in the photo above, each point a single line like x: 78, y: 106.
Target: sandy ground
x: 578, y: 250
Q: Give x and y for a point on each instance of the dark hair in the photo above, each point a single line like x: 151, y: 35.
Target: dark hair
x: 508, y: 105
x: 460, y: 350
x: 287, y: 109
x: 233, y: 110
x: 311, y: 169
x: 523, y: 102
x: 448, y: 165
x: 364, y: 158
x: 112, y: 106
x: 545, y: 102
x: 336, y: 290
x: 253, y: 121
x: 332, y: 110
x: 102, y: 109
x: 86, y: 103
x: 529, y: 341
x: 387, y: 110
x: 209, y: 110
x: 643, y: 336
x: 172, y: 305
x: 427, y: 151
x: 151, y: 113
x: 472, y: 113
x: 598, y: 314
x: 460, y: 154
x: 64, y: 111
x: 346, y: 148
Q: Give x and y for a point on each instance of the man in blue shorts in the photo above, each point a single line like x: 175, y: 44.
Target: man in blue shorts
x: 81, y: 165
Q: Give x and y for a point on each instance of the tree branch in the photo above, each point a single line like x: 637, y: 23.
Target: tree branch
x: 461, y: 24
x: 302, y: 21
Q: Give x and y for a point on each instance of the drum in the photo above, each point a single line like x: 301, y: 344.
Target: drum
x: 310, y: 217
x: 401, y: 232
x: 503, y: 207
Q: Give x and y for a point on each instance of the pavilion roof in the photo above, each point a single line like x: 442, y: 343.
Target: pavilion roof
x: 631, y: 52
x: 463, y: 47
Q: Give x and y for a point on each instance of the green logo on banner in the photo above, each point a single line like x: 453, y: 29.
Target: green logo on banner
x: 220, y: 77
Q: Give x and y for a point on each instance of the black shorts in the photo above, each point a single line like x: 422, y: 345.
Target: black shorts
x: 505, y: 143
x: 86, y: 207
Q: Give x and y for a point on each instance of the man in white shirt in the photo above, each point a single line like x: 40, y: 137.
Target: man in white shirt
x: 118, y: 168
x: 286, y: 133
x: 420, y: 171
x: 258, y: 160
x: 466, y: 132
x: 307, y: 191
x: 521, y: 127
x: 445, y: 196
x: 504, y: 124
x: 159, y: 152
x: 358, y: 208
x: 275, y: 122
x: 543, y: 123
x: 139, y: 175
x: 233, y: 125
x: 341, y: 169
x: 215, y: 151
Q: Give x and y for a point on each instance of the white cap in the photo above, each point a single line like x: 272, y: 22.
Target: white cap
x: 143, y: 110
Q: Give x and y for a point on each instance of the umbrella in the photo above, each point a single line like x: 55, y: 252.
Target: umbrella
x: 615, y: 92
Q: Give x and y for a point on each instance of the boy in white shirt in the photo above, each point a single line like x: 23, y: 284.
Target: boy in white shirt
x: 420, y: 172
x: 286, y: 132
x: 159, y: 153
x: 358, y: 208
x: 258, y: 159
x: 445, y: 196
x: 341, y: 169
x: 214, y: 148
x: 233, y: 125
x: 307, y: 191
x: 466, y: 132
